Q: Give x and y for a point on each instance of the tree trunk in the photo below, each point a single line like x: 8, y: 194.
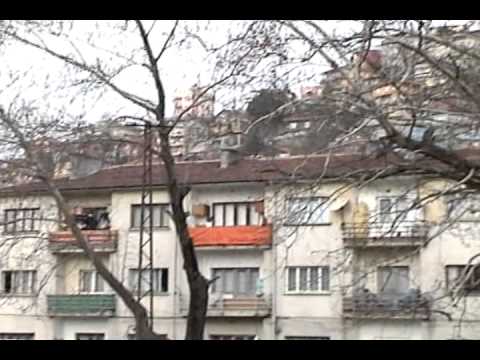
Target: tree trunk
x: 141, y: 319
x: 198, y: 284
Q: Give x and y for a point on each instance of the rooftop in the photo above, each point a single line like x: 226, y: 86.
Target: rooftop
x: 243, y: 170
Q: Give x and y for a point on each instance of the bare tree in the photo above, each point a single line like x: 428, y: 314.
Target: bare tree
x: 100, y: 74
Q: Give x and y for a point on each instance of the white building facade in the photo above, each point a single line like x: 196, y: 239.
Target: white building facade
x: 296, y: 260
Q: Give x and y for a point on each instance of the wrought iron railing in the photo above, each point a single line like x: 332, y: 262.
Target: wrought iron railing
x: 370, y: 305
x: 406, y: 232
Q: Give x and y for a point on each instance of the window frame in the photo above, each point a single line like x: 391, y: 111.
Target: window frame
x: 163, y: 272
x: 32, y: 282
x: 236, y: 283
x: 250, y: 208
x: 226, y: 337
x: 164, y: 217
x: 35, y: 222
x: 395, y: 213
x: 323, y: 271
x: 468, y: 291
x: 96, y: 278
x: 325, y: 216
x: 380, y: 286
x: 83, y: 334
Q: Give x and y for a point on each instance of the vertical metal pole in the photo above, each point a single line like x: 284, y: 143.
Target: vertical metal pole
x: 146, y: 225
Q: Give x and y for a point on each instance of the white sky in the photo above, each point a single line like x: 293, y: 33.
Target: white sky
x: 42, y: 76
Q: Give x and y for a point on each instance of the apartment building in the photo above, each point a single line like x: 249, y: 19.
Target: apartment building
x: 298, y: 259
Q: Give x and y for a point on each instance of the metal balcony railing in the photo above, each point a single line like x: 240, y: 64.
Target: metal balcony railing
x: 81, y: 305
x: 223, y: 305
x: 402, y: 233
x: 412, y: 305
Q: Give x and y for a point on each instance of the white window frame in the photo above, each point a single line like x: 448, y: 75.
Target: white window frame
x: 96, y: 278
x: 252, y: 216
x: 235, y: 283
x: 395, y: 212
x: 322, y: 271
x: 323, y: 211
x: 32, y: 282
x: 164, y: 216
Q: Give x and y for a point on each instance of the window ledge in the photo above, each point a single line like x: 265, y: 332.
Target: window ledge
x: 312, y: 293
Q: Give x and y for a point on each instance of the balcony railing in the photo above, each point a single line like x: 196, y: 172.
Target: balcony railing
x: 100, y: 241
x: 231, y: 236
x: 382, y: 306
x: 235, y: 307
x: 402, y: 233
x: 83, y: 305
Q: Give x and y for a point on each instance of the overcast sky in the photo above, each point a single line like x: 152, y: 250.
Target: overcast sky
x: 41, y: 76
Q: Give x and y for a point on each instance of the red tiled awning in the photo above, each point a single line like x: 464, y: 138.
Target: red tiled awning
x: 231, y: 235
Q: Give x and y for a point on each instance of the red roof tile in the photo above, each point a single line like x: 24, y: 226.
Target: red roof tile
x: 210, y: 172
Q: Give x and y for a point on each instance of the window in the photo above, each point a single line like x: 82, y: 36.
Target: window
x: 307, y: 211
x: 17, y: 336
x: 90, y: 336
x: 464, y: 208
x: 160, y: 280
x: 132, y: 336
x: 236, y: 214
x: 232, y: 337
x: 393, y: 209
x: 308, y: 279
x: 91, y: 282
x: 237, y: 282
x: 307, y: 337
x: 18, y: 282
x: 454, y: 277
x: 393, y: 279
x: 21, y: 220
x: 160, y: 215
x: 93, y: 218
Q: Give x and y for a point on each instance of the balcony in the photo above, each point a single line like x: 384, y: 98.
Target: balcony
x: 101, y: 241
x: 242, y: 307
x: 400, y: 234
x: 84, y: 305
x: 241, y: 237
x: 381, y: 306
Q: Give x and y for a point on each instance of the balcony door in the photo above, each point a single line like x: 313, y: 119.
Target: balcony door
x: 393, y: 281
x: 395, y: 216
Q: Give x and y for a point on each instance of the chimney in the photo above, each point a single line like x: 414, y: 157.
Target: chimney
x: 229, y: 157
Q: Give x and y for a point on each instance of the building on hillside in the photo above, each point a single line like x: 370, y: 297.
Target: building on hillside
x: 294, y: 259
